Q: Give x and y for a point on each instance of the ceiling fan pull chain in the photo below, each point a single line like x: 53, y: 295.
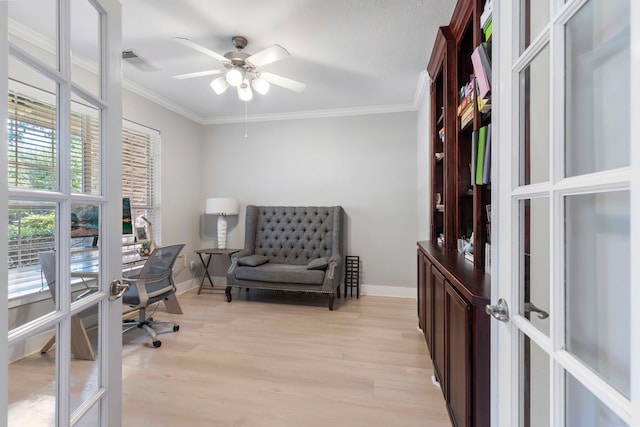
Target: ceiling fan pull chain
x: 246, y: 125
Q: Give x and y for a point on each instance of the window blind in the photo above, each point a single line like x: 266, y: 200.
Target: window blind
x: 32, y: 163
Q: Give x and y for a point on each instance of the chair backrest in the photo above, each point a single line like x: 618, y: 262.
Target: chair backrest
x: 157, y: 272
x: 48, y: 266
x: 293, y: 234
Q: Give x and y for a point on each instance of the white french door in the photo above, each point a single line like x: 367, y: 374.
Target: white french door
x: 61, y: 181
x: 567, y: 193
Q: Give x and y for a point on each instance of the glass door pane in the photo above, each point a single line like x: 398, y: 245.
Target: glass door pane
x: 597, y: 280
x: 598, y: 86
x: 535, y: 82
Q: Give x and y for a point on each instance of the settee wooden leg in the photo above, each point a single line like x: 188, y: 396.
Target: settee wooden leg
x: 338, y: 291
x: 331, y: 299
x: 227, y: 292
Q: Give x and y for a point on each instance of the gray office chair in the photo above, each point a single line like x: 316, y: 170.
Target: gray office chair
x: 153, y: 284
x: 80, y: 344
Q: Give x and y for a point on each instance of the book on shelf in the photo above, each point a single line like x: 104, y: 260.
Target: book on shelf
x: 441, y: 134
x: 487, y: 258
x: 487, y: 29
x: 482, y: 141
x: 482, y: 69
x: 474, y: 153
x: 487, y: 13
x: 486, y: 173
x: 484, y: 104
x: 467, y: 117
x: 485, y: 58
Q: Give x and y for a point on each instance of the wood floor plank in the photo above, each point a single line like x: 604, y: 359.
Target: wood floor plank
x: 273, y: 360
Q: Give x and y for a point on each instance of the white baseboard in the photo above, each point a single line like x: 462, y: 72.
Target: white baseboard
x: 373, y: 290
x: 388, y: 291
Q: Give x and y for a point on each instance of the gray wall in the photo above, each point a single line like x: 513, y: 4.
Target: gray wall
x: 423, y: 160
x: 180, y: 178
x: 365, y: 163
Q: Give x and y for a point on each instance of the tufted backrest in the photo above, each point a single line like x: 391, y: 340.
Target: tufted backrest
x: 293, y: 234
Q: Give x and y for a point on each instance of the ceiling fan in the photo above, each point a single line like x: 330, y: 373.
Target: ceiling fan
x: 241, y: 69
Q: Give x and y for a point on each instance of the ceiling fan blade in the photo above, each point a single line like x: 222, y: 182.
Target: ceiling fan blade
x: 201, y: 49
x: 268, y: 55
x: 198, y: 74
x: 284, y: 82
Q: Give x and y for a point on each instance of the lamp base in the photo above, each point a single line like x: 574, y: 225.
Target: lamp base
x: 222, y: 232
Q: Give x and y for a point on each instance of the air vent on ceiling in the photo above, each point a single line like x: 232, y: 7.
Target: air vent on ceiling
x: 141, y: 63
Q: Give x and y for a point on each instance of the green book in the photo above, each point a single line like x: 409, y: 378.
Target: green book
x: 482, y: 141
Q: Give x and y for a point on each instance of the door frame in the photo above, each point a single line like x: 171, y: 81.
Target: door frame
x: 505, y: 345
x: 109, y: 394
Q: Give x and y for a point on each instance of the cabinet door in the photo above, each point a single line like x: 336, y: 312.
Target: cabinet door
x: 428, y: 306
x: 422, y: 279
x: 457, y: 344
x: 438, y: 326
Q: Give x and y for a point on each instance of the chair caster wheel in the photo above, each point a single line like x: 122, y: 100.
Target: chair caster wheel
x: 176, y: 328
x: 157, y: 344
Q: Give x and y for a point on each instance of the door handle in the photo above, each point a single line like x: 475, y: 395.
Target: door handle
x: 532, y: 308
x: 500, y: 311
x: 117, y: 289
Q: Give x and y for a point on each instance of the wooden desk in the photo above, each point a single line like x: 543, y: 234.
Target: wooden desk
x: 205, y: 263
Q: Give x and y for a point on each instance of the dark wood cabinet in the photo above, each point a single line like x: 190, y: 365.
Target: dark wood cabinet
x: 455, y: 294
x: 453, y: 291
x: 438, y: 354
x: 457, y: 343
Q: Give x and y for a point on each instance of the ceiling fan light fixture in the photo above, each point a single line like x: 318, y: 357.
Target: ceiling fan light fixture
x: 234, y: 77
x: 260, y: 85
x: 244, y: 92
x: 220, y: 85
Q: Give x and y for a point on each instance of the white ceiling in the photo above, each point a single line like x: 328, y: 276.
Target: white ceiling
x: 353, y: 55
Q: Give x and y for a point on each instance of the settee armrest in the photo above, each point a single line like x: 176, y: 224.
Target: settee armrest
x: 240, y: 254
x: 333, y: 267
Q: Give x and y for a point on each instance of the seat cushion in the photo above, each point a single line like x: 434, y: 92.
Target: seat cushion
x: 318, y: 263
x: 253, y: 260
x: 284, y: 273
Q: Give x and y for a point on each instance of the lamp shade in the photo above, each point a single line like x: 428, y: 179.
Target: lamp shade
x: 234, y: 77
x: 219, y: 85
x: 244, y: 92
x: 222, y: 206
x: 260, y: 85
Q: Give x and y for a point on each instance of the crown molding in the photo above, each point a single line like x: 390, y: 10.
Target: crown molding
x: 312, y: 114
x: 423, y: 83
x: 163, y: 102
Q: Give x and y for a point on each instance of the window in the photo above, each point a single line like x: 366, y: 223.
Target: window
x: 140, y: 175
x: 32, y: 164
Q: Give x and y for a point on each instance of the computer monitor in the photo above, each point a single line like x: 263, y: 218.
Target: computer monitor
x: 127, y: 225
x: 85, y: 221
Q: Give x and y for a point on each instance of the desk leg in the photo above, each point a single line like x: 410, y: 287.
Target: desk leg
x: 80, y: 344
x: 206, y: 272
x: 172, y: 305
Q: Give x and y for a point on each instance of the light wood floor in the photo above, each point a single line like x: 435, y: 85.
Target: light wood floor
x: 266, y: 359
x: 277, y: 360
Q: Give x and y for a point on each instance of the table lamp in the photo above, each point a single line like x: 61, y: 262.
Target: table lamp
x: 222, y: 207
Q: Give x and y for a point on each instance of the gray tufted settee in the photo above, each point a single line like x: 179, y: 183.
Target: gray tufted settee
x: 291, y: 249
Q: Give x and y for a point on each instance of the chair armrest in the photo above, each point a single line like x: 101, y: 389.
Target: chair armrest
x: 142, y: 290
